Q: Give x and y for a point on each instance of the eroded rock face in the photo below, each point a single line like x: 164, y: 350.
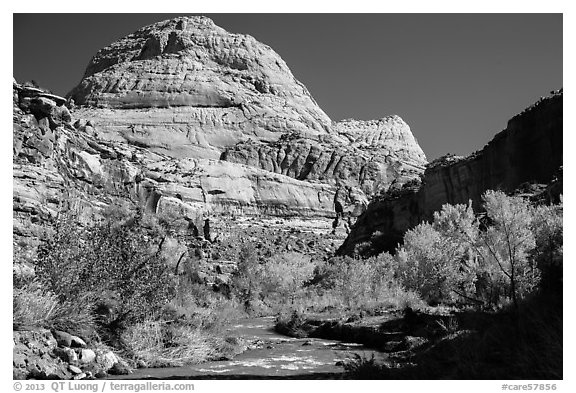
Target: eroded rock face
x: 188, y: 89
x: 68, y: 168
x: 369, y: 155
x: 191, y: 82
x: 183, y: 117
x: 528, y: 150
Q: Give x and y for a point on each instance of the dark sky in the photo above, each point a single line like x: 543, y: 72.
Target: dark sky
x: 454, y: 78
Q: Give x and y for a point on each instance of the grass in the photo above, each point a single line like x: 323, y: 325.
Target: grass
x: 189, y: 330
x: 161, y: 344
x: 34, y: 306
x: 292, y: 324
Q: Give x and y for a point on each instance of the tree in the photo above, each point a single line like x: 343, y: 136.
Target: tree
x: 283, y: 276
x: 110, y: 260
x: 508, y: 242
x: 246, y: 278
x: 435, y: 259
x: 547, y: 226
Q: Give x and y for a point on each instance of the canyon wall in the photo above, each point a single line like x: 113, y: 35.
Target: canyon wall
x: 182, y: 117
x: 529, y: 150
x: 187, y: 88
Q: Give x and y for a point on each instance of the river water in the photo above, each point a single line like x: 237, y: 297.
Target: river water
x: 277, y: 356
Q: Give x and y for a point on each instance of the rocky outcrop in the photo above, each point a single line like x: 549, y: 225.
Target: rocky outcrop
x: 369, y: 155
x: 182, y: 117
x: 186, y: 88
x: 45, y: 354
x: 68, y: 168
x: 528, y: 150
x: 192, y: 88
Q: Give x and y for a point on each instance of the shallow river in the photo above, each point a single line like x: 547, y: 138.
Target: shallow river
x: 279, y: 356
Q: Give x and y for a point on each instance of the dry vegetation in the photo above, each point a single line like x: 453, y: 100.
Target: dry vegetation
x: 111, y: 283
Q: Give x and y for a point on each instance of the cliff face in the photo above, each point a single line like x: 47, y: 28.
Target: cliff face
x: 528, y: 150
x: 371, y: 156
x: 67, y: 168
x: 184, y: 117
x: 187, y: 89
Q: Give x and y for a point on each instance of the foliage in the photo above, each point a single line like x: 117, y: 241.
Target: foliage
x: 119, y: 261
x: 369, y: 285
x: 161, y: 344
x: 246, y: 281
x: 508, y: 242
x: 548, y: 254
x: 487, y: 259
x: 435, y: 258
x: 362, y: 367
x: 284, y: 275
x: 33, y: 305
x: 292, y: 323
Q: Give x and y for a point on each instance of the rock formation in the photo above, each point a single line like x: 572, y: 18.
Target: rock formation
x: 374, y: 155
x: 529, y: 150
x: 68, y: 167
x: 188, y: 89
x: 186, y: 118
x: 193, y: 88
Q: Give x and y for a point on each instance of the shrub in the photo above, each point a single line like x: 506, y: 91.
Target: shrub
x: 118, y: 260
x: 164, y: 345
x: 368, y: 285
x: 199, y: 306
x: 291, y: 323
x: 548, y: 231
x: 499, y: 255
x: 246, y: 279
x: 283, y: 277
x: 35, y: 306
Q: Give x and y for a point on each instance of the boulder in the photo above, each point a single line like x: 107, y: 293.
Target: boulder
x: 106, y: 360
x: 120, y: 368
x: 87, y: 356
x: 41, y: 107
x: 68, y: 355
x: 75, y: 370
x: 77, y: 342
x: 62, y: 338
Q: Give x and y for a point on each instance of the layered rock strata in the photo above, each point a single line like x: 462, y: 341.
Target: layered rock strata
x: 186, y: 88
x: 529, y: 150
x: 375, y: 155
x: 67, y: 167
x: 186, y: 118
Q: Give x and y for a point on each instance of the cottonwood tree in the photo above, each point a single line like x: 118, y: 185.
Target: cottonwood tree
x: 508, y: 242
x: 284, y: 275
x: 547, y: 226
x: 435, y: 259
x: 246, y: 282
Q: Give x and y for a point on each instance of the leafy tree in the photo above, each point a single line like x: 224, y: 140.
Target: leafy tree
x: 435, y: 259
x: 508, y: 242
x: 358, y: 282
x: 283, y: 276
x: 118, y: 262
x: 547, y: 226
x: 246, y: 279
x: 454, y: 256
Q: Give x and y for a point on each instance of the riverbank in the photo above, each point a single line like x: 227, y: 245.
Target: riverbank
x: 272, y: 356
x: 435, y: 343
